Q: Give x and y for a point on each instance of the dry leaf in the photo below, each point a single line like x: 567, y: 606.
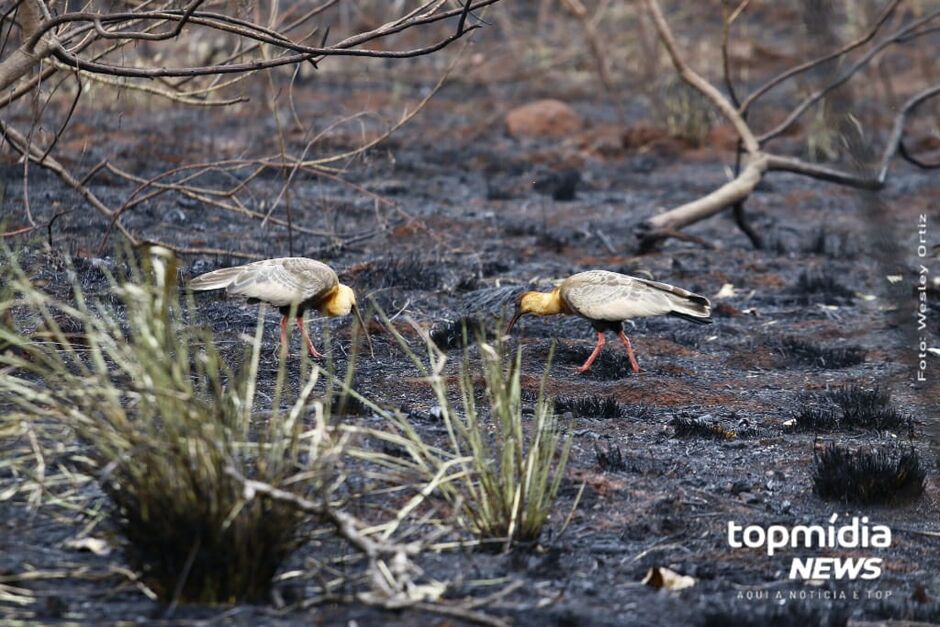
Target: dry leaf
x: 661, y: 577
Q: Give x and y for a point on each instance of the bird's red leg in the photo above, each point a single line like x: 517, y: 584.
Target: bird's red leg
x: 303, y: 331
x: 597, y: 351
x: 626, y: 342
x: 284, y: 341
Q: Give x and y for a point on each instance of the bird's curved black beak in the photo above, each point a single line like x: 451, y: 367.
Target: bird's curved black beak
x: 362, y: 325
x: 512, y: 322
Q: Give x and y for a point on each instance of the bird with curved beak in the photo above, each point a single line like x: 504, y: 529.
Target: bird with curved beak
x: 290, y: 284
x: 607, y: 299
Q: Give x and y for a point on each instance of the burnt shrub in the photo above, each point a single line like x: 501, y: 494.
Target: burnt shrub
x: 868, y: 408
x: 817, y: 419
x: 882, y: 475
x: 810, y: 354
x: 177, y: 536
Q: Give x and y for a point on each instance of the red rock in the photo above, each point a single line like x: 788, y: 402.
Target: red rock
x: 543, y: 118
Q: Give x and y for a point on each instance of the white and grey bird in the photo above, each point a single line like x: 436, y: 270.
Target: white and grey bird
x: 288, y: 283
x: 607, y: 299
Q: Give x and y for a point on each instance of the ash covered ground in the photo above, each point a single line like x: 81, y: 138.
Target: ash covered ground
x: 446, y: 223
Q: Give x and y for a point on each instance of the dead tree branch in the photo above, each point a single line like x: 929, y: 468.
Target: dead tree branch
x: 98, y: 45
x: 757, y: 160
x: 32, y: 14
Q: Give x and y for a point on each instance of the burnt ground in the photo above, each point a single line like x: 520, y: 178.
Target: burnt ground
x: 455, y: 229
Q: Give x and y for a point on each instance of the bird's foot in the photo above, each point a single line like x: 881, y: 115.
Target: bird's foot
x: 581, y: 369
x: 313, y: 350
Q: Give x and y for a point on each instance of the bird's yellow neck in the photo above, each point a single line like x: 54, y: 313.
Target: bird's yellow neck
x: 543, y: 303
x: 340, y: 302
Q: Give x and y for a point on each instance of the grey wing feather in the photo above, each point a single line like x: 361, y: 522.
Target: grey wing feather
x: 678, y: 291
x: 216, y: 279
x: 280, y: 282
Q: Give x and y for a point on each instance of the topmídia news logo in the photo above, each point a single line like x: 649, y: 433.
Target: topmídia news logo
x: 857, y: 534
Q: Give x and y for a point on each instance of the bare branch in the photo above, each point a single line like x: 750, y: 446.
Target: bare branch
x: 729, y: 19
x: 759, y: 162
x: 251, y: 31
x: 64, y: 38
x: 731, y: 192
x: 923, y: 165
x: 22, y: 60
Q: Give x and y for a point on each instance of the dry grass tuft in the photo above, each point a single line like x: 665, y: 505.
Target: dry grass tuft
x: 163, y: 420
x: 500, y: 476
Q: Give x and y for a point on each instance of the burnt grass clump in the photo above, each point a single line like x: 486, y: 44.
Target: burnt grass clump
x: 457, y: 333
x: 868, y: 409
x: 817, y: 419
x: 868, y: 476
x: 686, y: 426
x: 851, y: 407
x: 560, y: 186
x: 834, y: 244
x: 809, y: 354
x: 590, y: 407
x: 689, y: 336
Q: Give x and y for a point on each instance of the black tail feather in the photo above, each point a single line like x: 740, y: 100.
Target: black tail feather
x: 685, y: 316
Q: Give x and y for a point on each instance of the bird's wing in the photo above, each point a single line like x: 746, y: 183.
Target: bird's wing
x: 683, y: 301
x: 284, y: 281
x: 602, y: 295
x: 215, y: 280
